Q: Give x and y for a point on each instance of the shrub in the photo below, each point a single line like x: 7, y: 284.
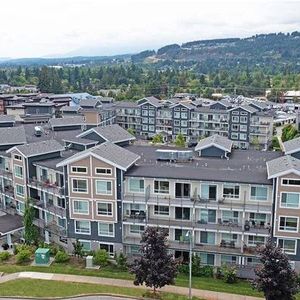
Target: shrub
x: 5, y: 246
x: 23, y: 256
x: 206, y: 271
x: 229, y: 274
x: 4, y: 256
x: 121, y: 261
x: 61, y: 257
x: 21, y: 247
x: 100, y: 258
x: 196, y: 265
x: 183, y: 268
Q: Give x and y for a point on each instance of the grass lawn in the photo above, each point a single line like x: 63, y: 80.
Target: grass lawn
x: 45, y: 288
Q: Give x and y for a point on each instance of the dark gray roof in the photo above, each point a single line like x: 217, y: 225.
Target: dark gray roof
x: 113, y: 133
x: 12, y: 135
x: 126, y: 104
x: 89, y: 102
x: 7, y: 119
x: 291, y: 146
x: 244, y: 166
x: 81, y: 141
x: 259, y: 104
x: 108, y: 152
x: 39, y: 148
x: 10, y: 223
x: 215, y: 140
x: 152, y: 100
x: 248, y: 108
x: 67, y: 121
x: 68, y: 108
x: 38, y: 104
x: 283, y: 165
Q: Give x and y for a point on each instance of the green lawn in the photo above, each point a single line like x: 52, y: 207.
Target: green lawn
x: 241, y: 288
x: 44, y: 288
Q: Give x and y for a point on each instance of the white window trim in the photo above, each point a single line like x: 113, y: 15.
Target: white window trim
x: 288, y: 230
x: 289, y: 184
x: 79, y: 167
x: 161, y: 180
x: 79, y: 213
x: 20, y: 177
x: 103, y: 174
x: 21, y: 196
x: 108, y: 194
x: 87, y: 186
x: 109, y: 244
x: 234, y: 185
x: 287, y: 207
x: 88, y: 242
x: 83, y: 233
x: 251, y: 199
x: 286, y: 252
x: 17, y: 158
x: 140, y: 192
x: 107, y: 235
x: 105, y: 202
x: 158, y: 214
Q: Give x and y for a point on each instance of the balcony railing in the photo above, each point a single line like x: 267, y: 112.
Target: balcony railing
x: 50, y: 226
x: 49, y: 206
x: 6, y: 173
x: 53, y: 188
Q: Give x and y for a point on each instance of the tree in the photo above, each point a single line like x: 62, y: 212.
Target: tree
x: 44, y: 83
x: 77, y: 249
x: 158, y: 139
x: 156, y: 267
x: 289, y: 132
x: 180, y: 141
x: 131, y: 131
x: 30, y: 230
x: 275, y: 277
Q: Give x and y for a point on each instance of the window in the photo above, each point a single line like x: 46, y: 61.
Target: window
x: 18, y: 171
x: 109, y: 248
x: 207, y: 259
x: 290, y: 181
x: 20, y: 190
x: 208, y: 191
x: 144, y: 112
x: 243, y: 136
x: 161, y: 210
x: 79, y: 185
x: 229, y: 237
x: 184, y: 115
x: 106, y: 229
x: 182, y: 190
x: 145, y: 128
x: 207, y: 216
x: 17, y: 157
x: 151, y: 113
x: 151, y: 128
x: 81, y: 207
x: 83, y: 227
x: 61, y: 222
x: 136, y: 229
x: 288, y: 224
x: 103, y: 187
x: 207, y: 237
x: 254, y: 240
x: 235, y: 119
x: 230, y: 216
x: 104, y: 209
x: 86, y: 245
x: 182, y: 213
x: 161, y: 187
x: 177, y: 115
x: 243, y: 127
x: 234, y: 136
x: 244, y: 119
x: 288, y: 246
x: 136, y: 185
x: 258, y: 217
x: 20, y: 207
x: 235, y: 127
x: 290, y: 200
x: 145, y: 120
x: 228, y: 259
x: 231, y: 191
x: 259, y: 193
x: 181, y: 235
x: 82, y: 170
x: 103, y: 171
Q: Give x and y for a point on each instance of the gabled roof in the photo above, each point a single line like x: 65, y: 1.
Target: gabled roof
x: 80, y: 141
x: 225, y: 103
x: 66, y: 121
x: 112, y: 133
x: 216, y: 140
x: 7, y: 119
x: 107, y: 152
x: 12, y: 135
x: 259, y: 104
x: 68, y: 108
x: 283, y: 165
x: 152, y: 100
x: 91, y: 103
x: 38, y: 148
x: 291, y: 146
x: 248, y: 108
x: 185, y: 104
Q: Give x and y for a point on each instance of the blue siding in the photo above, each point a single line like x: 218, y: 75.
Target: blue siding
x: 213, y: 152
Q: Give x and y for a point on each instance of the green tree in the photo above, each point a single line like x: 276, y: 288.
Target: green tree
x: 179, y: 141
x: 77, y: 249
x: 44, y: 78
x: 30, y: 230
x: 289, y: 132
x: 158, y: 139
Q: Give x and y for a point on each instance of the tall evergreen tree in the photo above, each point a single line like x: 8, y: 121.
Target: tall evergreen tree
x: 275, y: 277
x: 44, y: 78
x: 156, y: 267
x: 30, y: 230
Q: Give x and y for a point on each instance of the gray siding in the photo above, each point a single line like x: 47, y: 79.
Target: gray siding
x: 212, y: 152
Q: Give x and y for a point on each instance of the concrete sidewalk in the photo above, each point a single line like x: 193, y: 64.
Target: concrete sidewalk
x: 209, y: 295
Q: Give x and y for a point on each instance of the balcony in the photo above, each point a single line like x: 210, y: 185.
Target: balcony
x: 7, y: 190
x: 49, y: 207
x: 6, y: 174
x: 50, y: 226
x: 46, y: 185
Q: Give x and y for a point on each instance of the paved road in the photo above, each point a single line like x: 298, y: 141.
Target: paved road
x: 81, y: 298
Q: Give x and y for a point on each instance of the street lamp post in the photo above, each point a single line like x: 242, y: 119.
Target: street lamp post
x: 189, y: 234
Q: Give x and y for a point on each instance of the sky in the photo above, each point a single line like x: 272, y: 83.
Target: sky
x: 54, y: 28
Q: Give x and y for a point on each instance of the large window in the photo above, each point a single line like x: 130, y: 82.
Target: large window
x: 259, y: 193
x: 182, y: 190
x: 228, y: 259
x: 288, y: 224
x: 86, y: 245
x: 288, y: 246
x: 182, y: 213
x: 18, y: 157
x: 106, y: 229
x: 254, y: 240
x: 207, y: 216
x: 207, y: 238
x: 136, y: 229
x: 79, y: 185
x: 207, y: 259
x: 104, y: 209
x: 291, y: 182
x: 82, y: 170
x: 290, y: 200
x: 18, y: 171
x: 108, y: 247
x: 19, y: 190
x: 231, y: 191
x: 103, y: 187
x: 81, y: 207
x: 83, y: 227
x: 161, y: 187
x: 230, y: 216
x: 103, y: 171
x: 161, y: 210
x: 208, y: 191
x: 181, y: 235
x: 229, y: 237
x: 136, y: 185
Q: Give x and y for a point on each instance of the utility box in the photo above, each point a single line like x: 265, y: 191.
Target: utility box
x: 42, y: 256
x: 89, y: 262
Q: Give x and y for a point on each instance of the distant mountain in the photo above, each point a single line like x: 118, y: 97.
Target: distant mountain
x: 271, y: 51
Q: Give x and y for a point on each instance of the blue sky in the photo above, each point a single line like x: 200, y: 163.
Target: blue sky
x: 39, y: 28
